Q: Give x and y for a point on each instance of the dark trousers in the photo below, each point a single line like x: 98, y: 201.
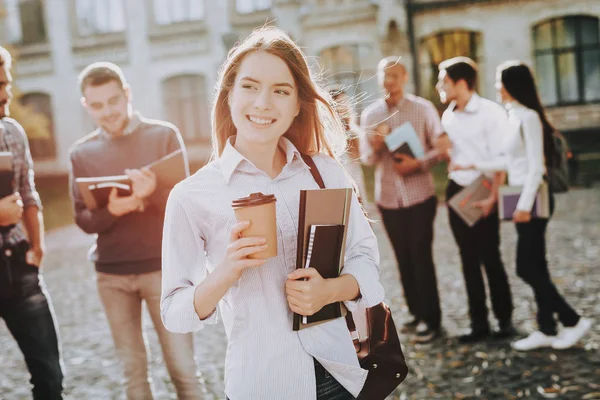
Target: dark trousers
x: 328, y: 388
x: 410, y: 231
x: 25, y: 308
x: 480, y: 244
x: 532, y: 267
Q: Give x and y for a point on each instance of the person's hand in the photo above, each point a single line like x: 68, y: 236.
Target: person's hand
x: 239, y: 248
x: 443, y: 143
x: 521, y: 216
x: 377, y: 138
x: 143, y: 182
x: 306, y: 297
x: 459, y: 167
x: 121, y: 205
x: 486, y: 206
x: 406, y: 165
x: 11, y: 209
x: 34, y: 256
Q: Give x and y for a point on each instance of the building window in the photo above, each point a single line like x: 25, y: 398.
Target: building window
x: 168, y: 12
x: 186, y: 106
x: 250, y: 6
x: 353, y: 68
x: 100, y: 16
x: 441, y: 46
x: 24, y: 22
x: 39, y: 130
x: 567, y: 60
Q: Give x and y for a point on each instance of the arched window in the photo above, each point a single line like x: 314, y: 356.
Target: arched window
x: 42, y: 144
x: 186, y: 106
x: 441, y: 46
x: 567, y: 60
x: 352, y: 66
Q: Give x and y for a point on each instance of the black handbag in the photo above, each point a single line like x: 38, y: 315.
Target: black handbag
x: 380, y: 351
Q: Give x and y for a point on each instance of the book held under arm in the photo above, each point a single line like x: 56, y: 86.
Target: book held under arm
x: 508, y: 198
x: 463, y: 201
x: 325, y: 213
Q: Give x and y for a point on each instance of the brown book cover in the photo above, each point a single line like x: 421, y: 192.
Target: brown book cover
x: 95, y: 191
x: 7, y: 178
x: 462, y: 202
x: 321, y: 207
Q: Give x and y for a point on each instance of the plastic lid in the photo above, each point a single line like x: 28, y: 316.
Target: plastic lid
x: 253, y: 199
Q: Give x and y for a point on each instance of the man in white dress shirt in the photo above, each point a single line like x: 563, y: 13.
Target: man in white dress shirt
x: 475, y: 127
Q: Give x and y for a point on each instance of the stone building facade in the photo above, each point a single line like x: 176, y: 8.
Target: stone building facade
x: 170, y: 51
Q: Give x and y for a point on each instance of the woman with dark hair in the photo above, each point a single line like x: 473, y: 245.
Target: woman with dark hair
x: 529, y: 149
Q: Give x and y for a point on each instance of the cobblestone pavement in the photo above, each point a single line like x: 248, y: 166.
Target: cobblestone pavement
x: 441, y: 370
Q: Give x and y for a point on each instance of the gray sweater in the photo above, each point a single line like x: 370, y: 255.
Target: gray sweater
x: 130, y: 244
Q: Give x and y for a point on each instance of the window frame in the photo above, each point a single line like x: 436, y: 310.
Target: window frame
x: 255, y: 8
x: 48, y: 144
x: 172, y: 21
x: 358, y: 69
x: 94, y: 31
x: 475, y: 54
x: 42, y: 16
x: 203, y: 100
x: 577, y: 49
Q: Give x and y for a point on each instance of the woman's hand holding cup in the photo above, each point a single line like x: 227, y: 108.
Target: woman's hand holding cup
x: 239, y: 248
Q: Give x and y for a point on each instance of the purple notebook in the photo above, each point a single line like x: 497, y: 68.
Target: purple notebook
x: 509, y: 198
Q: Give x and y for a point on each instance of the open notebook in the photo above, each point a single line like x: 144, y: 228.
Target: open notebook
x: 169, y: 170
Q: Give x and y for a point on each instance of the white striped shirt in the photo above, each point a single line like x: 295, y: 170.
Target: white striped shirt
x: 265, y: 358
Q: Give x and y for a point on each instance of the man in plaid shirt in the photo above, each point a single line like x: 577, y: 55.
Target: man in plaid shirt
x: 404, y: 191
x: 24, y: 303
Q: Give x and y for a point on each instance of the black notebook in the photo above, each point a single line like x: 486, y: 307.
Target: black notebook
x: 101, y: 191
x: 322, y: 207
x: 323, y: 254
x: 7, y: 176
x: 405, y: 150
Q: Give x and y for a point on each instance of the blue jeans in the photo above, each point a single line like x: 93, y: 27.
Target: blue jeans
x: 25, y: 307
x: 327, y: 387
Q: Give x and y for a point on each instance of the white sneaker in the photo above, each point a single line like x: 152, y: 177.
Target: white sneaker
x: 571, y: 335
x: 535, y: 340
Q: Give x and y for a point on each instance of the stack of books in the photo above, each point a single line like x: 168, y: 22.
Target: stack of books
x: 322, y: 228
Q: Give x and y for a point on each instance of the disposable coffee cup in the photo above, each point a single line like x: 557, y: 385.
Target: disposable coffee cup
x: 259, y: 209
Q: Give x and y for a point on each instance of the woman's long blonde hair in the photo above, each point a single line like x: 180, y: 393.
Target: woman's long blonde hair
x: 316, y: 129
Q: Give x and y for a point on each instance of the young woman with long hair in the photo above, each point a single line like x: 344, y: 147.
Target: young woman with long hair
x: 529, y: 150
x: 268, y: 110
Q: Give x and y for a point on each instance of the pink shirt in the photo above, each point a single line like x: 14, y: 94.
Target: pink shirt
x: 393, y: 191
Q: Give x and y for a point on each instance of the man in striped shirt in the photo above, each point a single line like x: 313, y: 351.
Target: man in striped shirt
x: 24, y: 302
x: 404, y: 191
